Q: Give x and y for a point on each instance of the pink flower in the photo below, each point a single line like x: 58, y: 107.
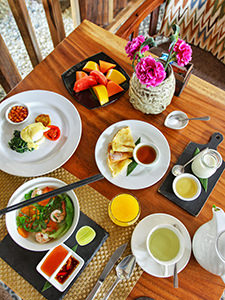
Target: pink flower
x: 183, y: 52
x: 133, y: 46
x: 150, y: 72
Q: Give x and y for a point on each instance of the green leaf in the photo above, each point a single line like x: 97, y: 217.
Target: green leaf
x: 204, y: 181
x: 133, y: 164
x: 131, y: 167
x: 74, y: 248
x: 46, y: 286
x: 138, y: 141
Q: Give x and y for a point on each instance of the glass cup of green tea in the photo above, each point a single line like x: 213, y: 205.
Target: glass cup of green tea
x: 146, y: 154
x: 165, y: 245
x: 186, y: 187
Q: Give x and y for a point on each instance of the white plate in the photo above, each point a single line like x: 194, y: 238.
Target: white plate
x: 51, y: 279
x: 51, y: 154
x: 18, y: 196
x: 141, y: 177
x: 139, y: 250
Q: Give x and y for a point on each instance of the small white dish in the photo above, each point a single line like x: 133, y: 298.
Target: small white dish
x: 187, y: 185
x: 139, y: 249
x: 9, y: 110
x: 151, y: 145
x: 172, y: 122
x: 61, y: 286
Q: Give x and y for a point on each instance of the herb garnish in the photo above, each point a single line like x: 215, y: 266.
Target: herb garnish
x: 17, y: 144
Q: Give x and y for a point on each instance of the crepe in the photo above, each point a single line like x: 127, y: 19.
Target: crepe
x: 123, y: 141
x: 118, y: 166
x: 120, y: 150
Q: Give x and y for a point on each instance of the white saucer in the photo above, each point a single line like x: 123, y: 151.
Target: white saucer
x: 139, y: 250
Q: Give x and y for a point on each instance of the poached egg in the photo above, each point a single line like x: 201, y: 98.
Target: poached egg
x: 33, y: 134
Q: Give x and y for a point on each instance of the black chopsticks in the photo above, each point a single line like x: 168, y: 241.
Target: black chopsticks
x: 53, y: 193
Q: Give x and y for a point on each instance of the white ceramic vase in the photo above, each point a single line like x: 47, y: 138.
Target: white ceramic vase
x: 152, y: 100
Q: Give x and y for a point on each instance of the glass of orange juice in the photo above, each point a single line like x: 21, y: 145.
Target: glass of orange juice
x: 124, y: 210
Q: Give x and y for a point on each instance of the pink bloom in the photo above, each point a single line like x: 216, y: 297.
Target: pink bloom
x: 183, y: 51
x: 150, y: 72
x: 133, y: 46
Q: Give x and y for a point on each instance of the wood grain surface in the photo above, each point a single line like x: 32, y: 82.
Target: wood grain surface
x: 198, y: 99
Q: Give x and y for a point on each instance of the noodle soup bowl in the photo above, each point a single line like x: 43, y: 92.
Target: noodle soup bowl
x: 30, y: 242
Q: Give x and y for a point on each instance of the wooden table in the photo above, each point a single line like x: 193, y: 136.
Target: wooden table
x: 198, y: 98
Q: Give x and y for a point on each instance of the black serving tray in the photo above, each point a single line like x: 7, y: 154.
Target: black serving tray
x: 87, y: 98
x: 193, y: 207
x: 24, y: 261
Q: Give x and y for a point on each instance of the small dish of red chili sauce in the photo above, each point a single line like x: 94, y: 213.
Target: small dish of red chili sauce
x: 60, y: 266
x: 17, y: 114
x: 146, y: 155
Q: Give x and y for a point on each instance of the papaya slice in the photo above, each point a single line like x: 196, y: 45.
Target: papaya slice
x: 91, y: 66
x: 105, y: 66
x: 80, y: 74
x: 100, y: 77
x: 101, y: 93
x: 115, y: 76
x: 113, y: 88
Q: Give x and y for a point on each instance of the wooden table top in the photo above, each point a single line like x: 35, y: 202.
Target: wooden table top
x: 198, y: 99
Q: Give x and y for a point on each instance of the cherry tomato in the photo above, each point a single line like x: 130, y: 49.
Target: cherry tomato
x: 84, y: 83
x: 53, y: 133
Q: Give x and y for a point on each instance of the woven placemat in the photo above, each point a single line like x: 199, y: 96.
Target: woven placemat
x: 95, y: 206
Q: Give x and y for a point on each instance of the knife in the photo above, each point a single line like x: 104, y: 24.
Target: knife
x: 113, y: 259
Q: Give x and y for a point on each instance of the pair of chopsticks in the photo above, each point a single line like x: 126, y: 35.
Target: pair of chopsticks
x: 53, y: 193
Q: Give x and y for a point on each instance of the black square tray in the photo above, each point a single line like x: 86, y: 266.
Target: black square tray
x: 193, y: 207
x: 86, y: 98
x: 25, y: 261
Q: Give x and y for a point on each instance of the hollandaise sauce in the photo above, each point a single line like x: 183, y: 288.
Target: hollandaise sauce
x: 124, y: 210
x: 186, y: 187
x: 33, y: 134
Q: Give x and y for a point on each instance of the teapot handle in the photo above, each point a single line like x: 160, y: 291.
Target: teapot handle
x: 220, y: 220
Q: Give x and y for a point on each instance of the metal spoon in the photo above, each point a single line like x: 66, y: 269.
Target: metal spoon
x: 179, y: 118
x: 175, y: 276
x: 123, y: 270
x: 179, y: 169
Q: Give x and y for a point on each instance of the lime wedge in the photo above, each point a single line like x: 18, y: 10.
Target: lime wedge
x: 85, y: 235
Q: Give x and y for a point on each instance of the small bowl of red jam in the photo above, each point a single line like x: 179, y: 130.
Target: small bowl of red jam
x: 146, y: 154
x: 60, y: 266
x: 17, y: 114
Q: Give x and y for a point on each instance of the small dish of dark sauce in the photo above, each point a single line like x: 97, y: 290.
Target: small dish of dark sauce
x: 146, y: 154
x: 67, y: 269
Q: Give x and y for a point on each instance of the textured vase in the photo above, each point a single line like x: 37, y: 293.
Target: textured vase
x: 152, y: 100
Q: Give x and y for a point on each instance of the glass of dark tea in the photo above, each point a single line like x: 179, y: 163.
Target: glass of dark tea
x: 146, y: 154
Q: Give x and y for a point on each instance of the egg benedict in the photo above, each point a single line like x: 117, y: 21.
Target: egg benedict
x: 33, y: 135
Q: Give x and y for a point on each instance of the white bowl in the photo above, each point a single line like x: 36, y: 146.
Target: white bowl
x: 51, y: 279
x: 18, y: 196
x: 9, y: 109
x: 187, y: 175
x: 172, y: 123
x: 152, y: 146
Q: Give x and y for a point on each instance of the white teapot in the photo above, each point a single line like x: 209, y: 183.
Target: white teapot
x: 209, y: 244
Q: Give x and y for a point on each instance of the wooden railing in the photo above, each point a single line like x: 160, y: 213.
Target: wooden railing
x: 119, y: 16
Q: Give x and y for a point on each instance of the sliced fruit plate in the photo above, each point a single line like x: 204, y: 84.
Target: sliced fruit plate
x: 96, y: 81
